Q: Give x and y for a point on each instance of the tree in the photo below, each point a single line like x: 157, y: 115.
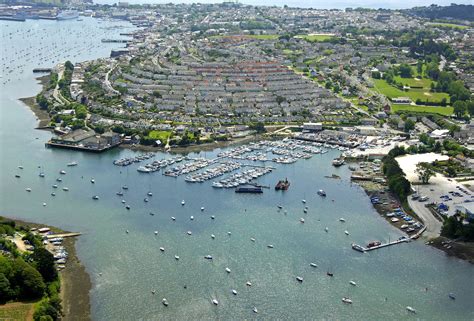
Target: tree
x: 409, y: 125
x: 405, y: 71
x: 69, y: 65
x: 459, y: 108
x: 5, y: 290
x: 44, y: 262
x: 425, y: 172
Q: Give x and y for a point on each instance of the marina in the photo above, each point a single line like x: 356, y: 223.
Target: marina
x: 114, y: 239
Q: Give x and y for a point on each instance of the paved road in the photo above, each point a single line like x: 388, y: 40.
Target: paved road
x: 433, y: 226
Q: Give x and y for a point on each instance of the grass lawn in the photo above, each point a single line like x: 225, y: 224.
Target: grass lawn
x: 445, y: 111
x: 414, y: 82
x: 423, y: 94
x: 17, y: 311
x: 448, y: 25
x: 159, y: 134
x: 264, y: 37
x: 315, y: 37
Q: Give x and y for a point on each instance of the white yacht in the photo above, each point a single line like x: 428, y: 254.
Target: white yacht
x: 189, y: 232
x: 176, y: 257
x: 162, y: 249
x: 352, y: 283
x: 165, y: 302
x: 313, y: 265
x: 299, y: 279
x: 234, y: 292
x: 156, y: 232
x: 215, y: 302
x: 347, y: 300
x: 182, y: 202
x: 342, y: 219
x: 410, y: 309
x: 28, y: 189
x: 302, y: 220
x: 92, y: 181
x: 227, y: 270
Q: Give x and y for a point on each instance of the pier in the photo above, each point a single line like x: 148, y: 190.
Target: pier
x: 63, y: 235
x: 42, y: 70
x: 114, y: 40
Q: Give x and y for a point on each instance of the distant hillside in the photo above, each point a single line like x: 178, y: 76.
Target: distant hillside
x: 454, y: 11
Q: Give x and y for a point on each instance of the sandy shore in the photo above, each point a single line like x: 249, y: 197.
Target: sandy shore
x: 75, y: 281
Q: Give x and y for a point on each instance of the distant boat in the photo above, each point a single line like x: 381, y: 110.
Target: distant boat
x: 165, y: 302
x: 252, y: 239
x: 299, y: 279
x: 156, y: 232
x: 191, y: 218
x: 338, y: 162
x: 189, y: 232
x: 150, y: 194
x: 326, y: 229
x: 28, y: 189
x: 176, y: 257
x: 313, y: 265
x: 410, y: 309
x: 234, y: 292
x: 119, y: 193
x: 182, y: 202
x: 248, y: 283
x: 44, y: 204
x: 347, y: 300
x: 352, y: 283
x: 127, y: 207
x: 346, y: 232
x: 92, y: 181
x: 270, y: 246
x: 208, y: 257
x: 342, y: 219
x: 17, y: 176
x: 95, y: 197
x: 213, y: 236
x: 254, y: 309
x: 125, y: 187
x: 282, y: 185
x: 173, y: 218
x: 65, y: 189
x: 321, y: 193
x: 162, y: 249
x: 62, y: 172
x: 215, y: 302
x: 72, y: 164
x: 202, y: 209
x: 302, y: 220
x: 59, y: 179
x: 55, y: 186
x: 145, y: 200
x: 452, y: 296
x: 227, y: 270
x: 212, y: 217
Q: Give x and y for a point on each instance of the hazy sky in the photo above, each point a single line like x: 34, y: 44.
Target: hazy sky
x: 339, y: 4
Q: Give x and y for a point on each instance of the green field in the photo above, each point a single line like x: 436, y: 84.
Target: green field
x: 448, y: 25
x: 414, y: 82
x: 445, y: 111
x: 264, y: 37
x: 159, y: 134
x: 423, y: 94
x: 315, y: 38
x: 16, y: 311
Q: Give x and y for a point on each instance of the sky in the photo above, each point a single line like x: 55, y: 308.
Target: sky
x: 319, y: 4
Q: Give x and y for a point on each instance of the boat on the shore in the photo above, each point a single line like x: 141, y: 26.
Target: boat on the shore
x: 357, y: 247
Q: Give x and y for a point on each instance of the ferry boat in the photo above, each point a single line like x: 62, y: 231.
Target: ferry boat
x: 282, y: 185
x: 68, y: 15
x: 249, y: 189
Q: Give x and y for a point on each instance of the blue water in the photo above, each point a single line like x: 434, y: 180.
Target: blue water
x: 131, y: 265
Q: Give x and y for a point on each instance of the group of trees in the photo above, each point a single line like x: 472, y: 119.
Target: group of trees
x: 28, y: 276
x: 397, y: 181
x: 454, y: 228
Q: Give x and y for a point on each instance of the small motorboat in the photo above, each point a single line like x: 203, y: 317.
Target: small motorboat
x: 20, y: 167
x: 352, y: 283
x: 123, y: 201
x: 347, y: 300
x: 279, y: 207
x: 41, y: 174
x: 452, y: 296
x: 270, y: 246
x: 208, y: 257
x: 252, y: 239
x: 95, y: 197
x: 215, y: 302
x: 303, y: 201
x: 176, y: 257
x: 173, y: 218
x: 145, y: 200
x: 302, y: 220
x: 227, y: 270
x: 329, y: 273
x: 152, y: 214
x: 313, y: 265
x: 182, y: 202
x: 299, y: 279
x: 165, y: 302
x: 229, y: 233
x: 72, y: 164
x: 55, y: 186
x: 410, y: 309
x: 153, y: 291
x: 254, y: 309
x: 53, y: 194
x: 326, y: 229
x: 92, y: 181
x: 234, y: 292
x: 342, y: 219
x: 202, y: 209
x: 124, y: 187
x: 149, y: 194
x: 248, y: 283
x: 189, y: 232
x: 17, y: 176
x: 162, y: 249
x: 59, y: 179
x: 321, y: 193
x: 305, y: 210
x: 346, y: 232
x: 126, y: 231
x: 44, y: 204
x: 127, y: 207
x: 212, y: 217
x: 191, y: 218
x: 213, y: 236
x: 62, y: 172
x: 156, y: 232
x: 119, y: 193
x: 65, y: 189
x: 28, y: 189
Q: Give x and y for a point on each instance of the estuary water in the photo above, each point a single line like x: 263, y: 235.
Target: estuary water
x: 126, y: 267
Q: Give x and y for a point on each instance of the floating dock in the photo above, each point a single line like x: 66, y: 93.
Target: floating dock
x: 368, y: 249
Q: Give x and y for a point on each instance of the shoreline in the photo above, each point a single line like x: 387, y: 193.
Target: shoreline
x: 460, y: 250
x: 42, y: 116
x: 74, y: 279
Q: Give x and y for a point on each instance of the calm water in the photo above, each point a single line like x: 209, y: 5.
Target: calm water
x: 132, y: 265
